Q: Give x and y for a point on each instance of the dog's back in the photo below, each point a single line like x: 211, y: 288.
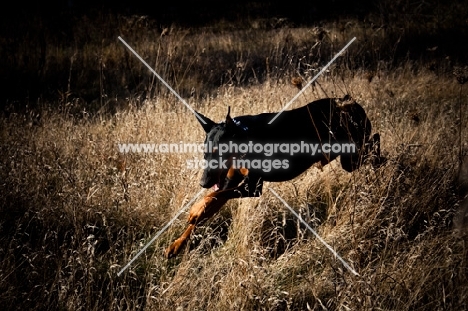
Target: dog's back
x: 324, y: 121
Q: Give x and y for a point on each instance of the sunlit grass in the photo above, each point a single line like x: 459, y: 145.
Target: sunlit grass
x: 75, y: 210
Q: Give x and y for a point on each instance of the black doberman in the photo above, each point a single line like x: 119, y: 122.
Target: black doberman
x: 243, y: 152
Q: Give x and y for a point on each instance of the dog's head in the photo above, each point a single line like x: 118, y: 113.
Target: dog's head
x: 218, y: 161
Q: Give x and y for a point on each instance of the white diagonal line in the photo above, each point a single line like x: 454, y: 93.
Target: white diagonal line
x: 311, y: 81
x: 315, y: 233
x: 162, y: 80
x: 159, y: 233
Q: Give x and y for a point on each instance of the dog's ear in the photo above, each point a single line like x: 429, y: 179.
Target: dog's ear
x: 229, y: 121
x: 205, y: 122
x: 230, y: 124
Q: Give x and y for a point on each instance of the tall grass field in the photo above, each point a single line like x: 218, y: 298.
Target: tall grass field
x: 75, y: 209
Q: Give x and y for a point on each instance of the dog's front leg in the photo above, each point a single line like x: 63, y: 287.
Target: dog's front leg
x: 177, y: 245
x: 202, y: 210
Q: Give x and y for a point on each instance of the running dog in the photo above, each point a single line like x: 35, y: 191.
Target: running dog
x: 243, y: 152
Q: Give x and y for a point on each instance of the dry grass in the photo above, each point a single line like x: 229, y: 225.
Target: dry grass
x: 76, y: 211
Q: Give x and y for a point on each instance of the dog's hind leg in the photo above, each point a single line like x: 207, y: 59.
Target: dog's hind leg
x: 370, y: 153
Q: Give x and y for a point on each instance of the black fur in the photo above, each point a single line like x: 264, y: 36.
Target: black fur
x: 322, y: 121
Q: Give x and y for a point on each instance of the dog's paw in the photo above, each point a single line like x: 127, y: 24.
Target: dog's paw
x: 173, y: 250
